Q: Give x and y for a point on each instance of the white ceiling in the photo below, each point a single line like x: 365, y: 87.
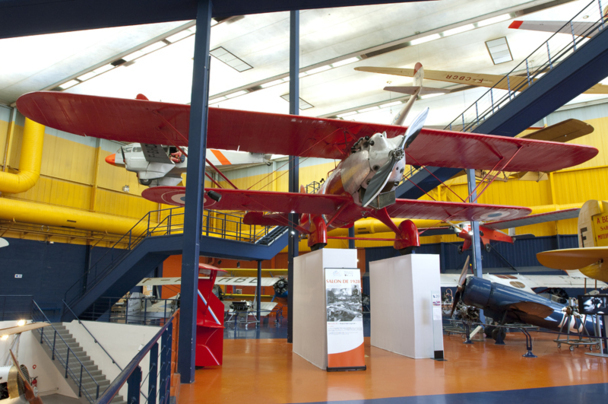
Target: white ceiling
x: 326, y: 36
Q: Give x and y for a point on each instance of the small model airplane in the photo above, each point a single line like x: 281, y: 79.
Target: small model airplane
x: 158, y: 165
x: 373, y: 158
x: 591, y: 256
x: 491, y: 231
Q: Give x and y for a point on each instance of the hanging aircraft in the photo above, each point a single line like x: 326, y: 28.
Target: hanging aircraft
x: 363, y: 184
x: 592, y: 253
x: 506, y: 304
x: 491, y: 231
x: 514, y: 83
x: 585, y: 29
x: 159, y: 165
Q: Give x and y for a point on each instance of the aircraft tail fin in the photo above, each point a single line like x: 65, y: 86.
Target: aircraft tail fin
x: 418, y: 77
x: 593, y: 224
x: 142, y: 97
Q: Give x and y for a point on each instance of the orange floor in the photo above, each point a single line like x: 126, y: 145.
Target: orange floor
x: 266, y: 371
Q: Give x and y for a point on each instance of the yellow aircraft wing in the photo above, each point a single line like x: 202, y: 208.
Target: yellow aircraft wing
x: 472, y: 79
x: 590, y: 260
x: 20, y: 329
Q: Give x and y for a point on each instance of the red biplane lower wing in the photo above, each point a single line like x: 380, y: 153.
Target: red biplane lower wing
x: 457, y: 211
x: 162, y: 123
x: 253, y: 201
x: 534, y: 219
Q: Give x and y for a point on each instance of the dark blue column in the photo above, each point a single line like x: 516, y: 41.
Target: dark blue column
x: 351, y: 233
x: 294, y: 170
x: 258, y: 293
x: 476, y: 241
x: 197, y: 146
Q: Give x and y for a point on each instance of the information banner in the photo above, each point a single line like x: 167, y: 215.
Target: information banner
x: 345, y: 349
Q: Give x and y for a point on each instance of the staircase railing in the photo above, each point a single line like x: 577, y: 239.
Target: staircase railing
x: 168, y: 222
x: 552, y: 52
x: 158, y: 390
x: 39, y: 316
x: 91, y: 334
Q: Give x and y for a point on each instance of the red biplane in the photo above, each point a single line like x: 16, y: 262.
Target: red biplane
x: 372, y: 158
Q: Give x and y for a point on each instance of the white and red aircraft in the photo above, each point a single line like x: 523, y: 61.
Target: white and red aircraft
x: 159, y: 165
x: 373, y: 158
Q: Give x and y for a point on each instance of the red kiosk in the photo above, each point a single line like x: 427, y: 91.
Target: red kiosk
x: 209, y: 320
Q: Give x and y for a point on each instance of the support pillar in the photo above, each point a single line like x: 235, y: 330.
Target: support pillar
x: 258, y: 293
x: 351, y: 242
x: 476, y: 241
x: 294, y: 171
x: 197, y: 147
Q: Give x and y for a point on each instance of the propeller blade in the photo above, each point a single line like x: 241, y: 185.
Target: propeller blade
x: 414, y: 129
x: 378, y: 182
x: 463, y: 274
x: 460, y: 287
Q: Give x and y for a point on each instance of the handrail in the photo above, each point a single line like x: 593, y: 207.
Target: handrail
x: 165, y: 226
x: 548, y: 64
x: 92, y: 336
x: 122, y: 378
x: 66, y: 363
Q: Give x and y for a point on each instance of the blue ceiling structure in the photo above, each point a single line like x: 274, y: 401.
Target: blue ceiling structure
x: 34, y: 17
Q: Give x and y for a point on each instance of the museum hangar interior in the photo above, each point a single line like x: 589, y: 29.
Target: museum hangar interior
x: 78, y: 239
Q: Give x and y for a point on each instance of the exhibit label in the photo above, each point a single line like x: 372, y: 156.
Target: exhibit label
x: 345, y: 349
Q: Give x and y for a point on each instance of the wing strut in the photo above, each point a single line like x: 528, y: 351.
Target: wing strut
x: 220, y: 173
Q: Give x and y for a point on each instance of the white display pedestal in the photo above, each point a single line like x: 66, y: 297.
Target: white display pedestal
x: 402, y: 311
x: 309, y: 308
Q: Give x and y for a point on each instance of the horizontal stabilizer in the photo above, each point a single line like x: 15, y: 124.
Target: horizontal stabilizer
x: 412, y: 89
x: 579, y: 28
x: 562, y: 132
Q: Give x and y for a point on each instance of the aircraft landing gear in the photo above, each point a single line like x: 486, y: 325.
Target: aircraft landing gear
x: 145, y: 182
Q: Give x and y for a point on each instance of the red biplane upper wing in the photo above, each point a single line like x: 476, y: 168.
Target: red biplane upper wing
x: 161, y: 123
x: 457, y: 211
x: 255, y: 201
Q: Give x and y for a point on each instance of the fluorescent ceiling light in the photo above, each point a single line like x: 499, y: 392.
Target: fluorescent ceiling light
x: 133, y: 56
x: 345, y: 62
x: 69, y: 84
x: 272, y: 83
x: 425, y: 39
x: 213, y: 22
x: 237, y: 94
x: 362, y: 111
x: 153, y: 47
x: 319, y: 69
x: 344, y: 115
x: 179, y: 36
x: 286, y: 78
x: 192, y: 29
x: 458, y: 30
x: 604, y: 82
x: 95, y: 72
x: 390, y: 104
x: 494, y: 20
x: 302, y: 74
x: 422, y: 97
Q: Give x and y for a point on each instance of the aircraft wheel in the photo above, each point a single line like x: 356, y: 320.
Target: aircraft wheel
x: 145, y: 182
x: 488, y: 331
x: 459, y: 249
x: 499, y: 334
x: 488, y: 247
x: 317, y: 246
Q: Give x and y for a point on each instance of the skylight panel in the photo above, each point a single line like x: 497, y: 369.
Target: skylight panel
x: 223, y: 55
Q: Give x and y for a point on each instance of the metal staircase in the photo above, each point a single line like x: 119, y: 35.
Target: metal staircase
x: 91, y: 378
x: 149, y: 243
x: 560, y: 69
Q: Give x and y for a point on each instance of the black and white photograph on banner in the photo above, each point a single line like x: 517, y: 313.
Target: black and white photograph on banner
x: 593, y: 304
x: 344, y: 303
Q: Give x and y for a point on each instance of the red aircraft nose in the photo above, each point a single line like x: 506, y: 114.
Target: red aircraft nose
x: 111, y: 159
